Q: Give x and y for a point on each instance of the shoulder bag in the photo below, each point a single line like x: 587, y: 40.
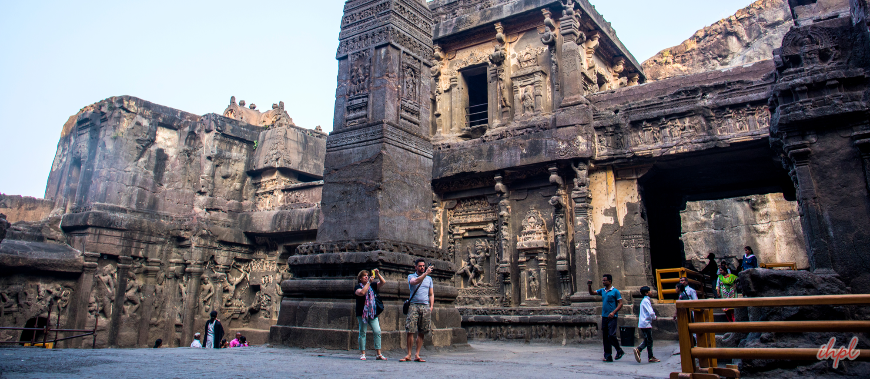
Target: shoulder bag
x: 407, y: 303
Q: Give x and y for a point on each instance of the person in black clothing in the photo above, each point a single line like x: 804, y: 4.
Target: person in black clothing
x: 214, y: 332
x: 368, y: 308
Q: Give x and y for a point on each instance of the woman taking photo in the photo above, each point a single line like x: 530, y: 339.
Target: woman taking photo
x: 368, y: 307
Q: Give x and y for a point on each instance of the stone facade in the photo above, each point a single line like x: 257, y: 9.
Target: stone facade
x: 516, y: 145
x: 155, y: 217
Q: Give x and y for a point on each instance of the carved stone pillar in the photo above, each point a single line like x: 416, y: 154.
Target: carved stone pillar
x: 174, y: 302
x: 124, y: 264
x: 499, y: 77
x: 812, y: 219
x: 572, y: 67
x: 152, y: 267
x: 504, y: 242
x: 550, y: 38
x: 585, y: 262
x: 560, y: 238
x: 79, y: 309
x: 377, y: 192
x: 193, y: 272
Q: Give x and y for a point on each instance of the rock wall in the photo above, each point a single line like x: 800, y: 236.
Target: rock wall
x: 24, y: 208
x: 768, y: 223
x: 750, y: 35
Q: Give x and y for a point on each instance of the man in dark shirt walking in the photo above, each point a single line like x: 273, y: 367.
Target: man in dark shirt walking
x: 611, y: 303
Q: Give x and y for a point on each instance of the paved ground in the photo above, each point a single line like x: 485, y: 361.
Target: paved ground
x: 481, y: 360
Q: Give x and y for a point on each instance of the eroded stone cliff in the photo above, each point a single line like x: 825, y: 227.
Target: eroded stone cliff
x: 750, y: 35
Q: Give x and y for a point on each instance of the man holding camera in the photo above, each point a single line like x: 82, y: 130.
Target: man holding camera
x: 611, y: 303
x: 419, y: 318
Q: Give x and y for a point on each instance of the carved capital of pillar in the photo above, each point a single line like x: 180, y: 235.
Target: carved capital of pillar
x: 124, y: 262
x: 194, y: 267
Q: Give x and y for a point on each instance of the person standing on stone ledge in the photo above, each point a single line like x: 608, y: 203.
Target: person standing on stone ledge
x: 419, y: 319
x: 749, y: 259
x: 214, y: 332
x: 611, y: 303
x: 368, y: 308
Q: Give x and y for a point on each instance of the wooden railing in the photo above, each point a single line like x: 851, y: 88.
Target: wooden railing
x: 789, y: 265
x: 705, y: 328
x: 666, y: 285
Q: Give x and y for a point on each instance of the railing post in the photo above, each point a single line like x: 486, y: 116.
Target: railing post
x: 687, y: 363
x: 659, y: 284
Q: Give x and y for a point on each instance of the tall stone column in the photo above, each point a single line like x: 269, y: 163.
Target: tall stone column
x: 79, y: 308
x: 173, y: 300
x: 152, y: 266
x: 194, y: 271
x: 124, y: 264
x: 377, y: 196
x: 572, y: 65
x: 585, y: 261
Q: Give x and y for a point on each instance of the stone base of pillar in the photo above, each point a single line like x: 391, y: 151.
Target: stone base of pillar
x: 331, y: 323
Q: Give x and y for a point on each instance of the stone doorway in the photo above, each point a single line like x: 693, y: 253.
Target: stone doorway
x: 736, y: 170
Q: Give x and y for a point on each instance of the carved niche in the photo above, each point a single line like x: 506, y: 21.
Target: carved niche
x: 533, y: 247
x: 357, y: 91
x: 472, y: 233
x: 411, y: 80
x: 529, y: 82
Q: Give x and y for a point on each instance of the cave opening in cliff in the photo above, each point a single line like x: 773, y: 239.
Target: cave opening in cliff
x: 674, y: 189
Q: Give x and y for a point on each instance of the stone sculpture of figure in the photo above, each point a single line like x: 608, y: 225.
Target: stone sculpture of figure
x: 473, y: 268
x: 528, y: 102
x: 253, y: 106
x: 231, y: 283
x: 241, y: 103
x: 533, y: 285
x: 411, y: 83
x: 132, y: 294
x: 106, y: 278
x: 206, y: 294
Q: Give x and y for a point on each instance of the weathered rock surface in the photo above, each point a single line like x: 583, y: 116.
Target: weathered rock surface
x: 750, y: 35
x: 768, y: 283
x: 4, y: 225
x: 768, y: 223
x: 24, y: 208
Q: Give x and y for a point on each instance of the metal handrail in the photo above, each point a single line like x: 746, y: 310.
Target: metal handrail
x: 705, y: 329
x: 47, y: 329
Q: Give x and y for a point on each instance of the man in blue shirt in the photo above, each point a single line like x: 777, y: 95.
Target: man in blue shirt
x: 611, y: 303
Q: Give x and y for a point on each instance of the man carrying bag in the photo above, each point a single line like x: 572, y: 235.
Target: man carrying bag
x: 418, y: 307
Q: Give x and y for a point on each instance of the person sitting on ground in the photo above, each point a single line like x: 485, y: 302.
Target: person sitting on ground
x: 196, y: 342
x: 158, y: 343
x: 644, y: 323
x: 224, y: 344
x: 243, y: 341
x: 749, y: 259
x: 235, y: 342
x: 727, y: 289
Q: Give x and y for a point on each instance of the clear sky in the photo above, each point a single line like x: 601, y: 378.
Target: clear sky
x: 59, y: 56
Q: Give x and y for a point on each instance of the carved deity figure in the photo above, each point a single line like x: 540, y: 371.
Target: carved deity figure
x: 534, y: 287
x: 473, y: 268
x: 106, y: 290
x: 411, y: 83
x: 132, y: 294
x: 528, y: 101
x: 206, y: 294
x: 359, y: 76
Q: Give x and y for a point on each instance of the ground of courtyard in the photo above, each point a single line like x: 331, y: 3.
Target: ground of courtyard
x: 481, y: 359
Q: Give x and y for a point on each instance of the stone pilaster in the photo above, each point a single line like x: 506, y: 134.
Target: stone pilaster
x: 124, y: 264
x: 194, y: 271
x: 79, y: 308
x: 585, y: 261
x: 572, y: 91
x: 152, y: 267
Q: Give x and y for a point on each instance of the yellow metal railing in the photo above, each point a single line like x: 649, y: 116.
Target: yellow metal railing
x: 708, y: 354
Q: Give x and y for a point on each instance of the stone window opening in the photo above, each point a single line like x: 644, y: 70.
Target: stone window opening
x: 477, y: 97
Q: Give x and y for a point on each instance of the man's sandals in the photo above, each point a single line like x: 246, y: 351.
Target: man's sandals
x: 408, y: 359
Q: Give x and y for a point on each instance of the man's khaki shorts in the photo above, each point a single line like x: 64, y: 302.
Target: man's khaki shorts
x: 419, y: 319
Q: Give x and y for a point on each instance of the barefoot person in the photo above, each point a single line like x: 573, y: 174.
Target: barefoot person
x: 644, y: 323
x: 611, y: 303
x: 419, y: 318
x: 366, y: 291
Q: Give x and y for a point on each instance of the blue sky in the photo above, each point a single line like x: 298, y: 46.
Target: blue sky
x: 59, y: 56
